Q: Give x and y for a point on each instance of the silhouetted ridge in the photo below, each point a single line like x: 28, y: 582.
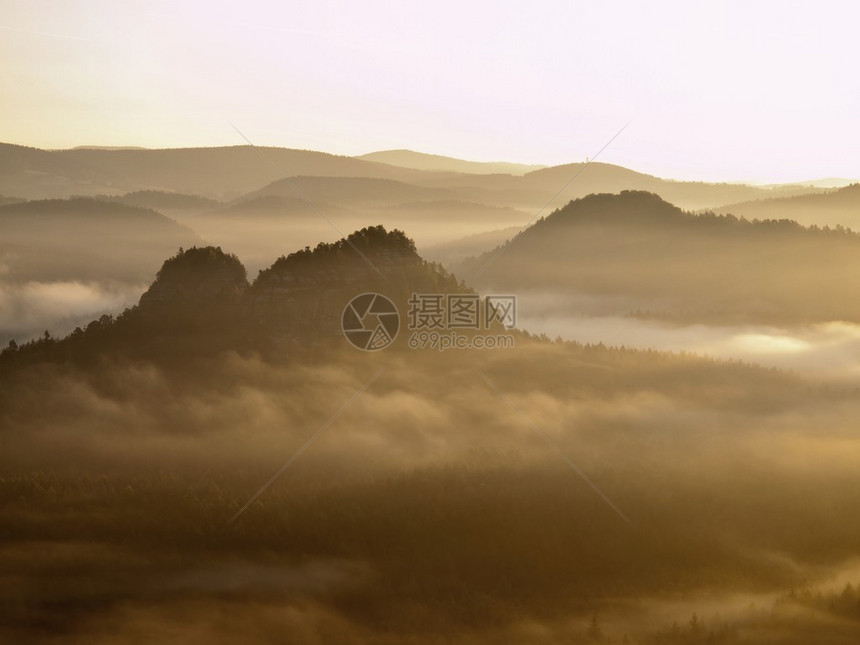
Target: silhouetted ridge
x: 201, y: 303
x: 369, y: 249
x: 305, y: 292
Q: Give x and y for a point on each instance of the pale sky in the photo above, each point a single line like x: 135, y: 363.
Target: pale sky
x: 763, y: 91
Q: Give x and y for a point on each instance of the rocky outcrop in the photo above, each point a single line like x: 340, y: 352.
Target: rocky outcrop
x: 197, y: 276
x: 306, y: 292
x: 298, y: 300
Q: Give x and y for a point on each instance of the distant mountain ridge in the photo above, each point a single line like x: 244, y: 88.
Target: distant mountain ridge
x: 216, y: 173
x: 351, y: 190
x: 440, y: 163
x: 228, y: 173
x: 834, y: 207
x: 697, y: 267
x: 162, y: 200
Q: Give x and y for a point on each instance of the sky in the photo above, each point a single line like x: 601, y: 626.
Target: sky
x: 712, y: 91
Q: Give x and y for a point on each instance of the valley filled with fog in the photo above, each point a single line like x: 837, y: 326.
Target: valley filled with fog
x: 667, y: 453
x: 478, y: 323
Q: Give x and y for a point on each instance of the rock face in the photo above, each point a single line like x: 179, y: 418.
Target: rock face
x: 198, y: 276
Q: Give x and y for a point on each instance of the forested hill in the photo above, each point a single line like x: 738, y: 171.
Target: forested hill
x: 699, y: 266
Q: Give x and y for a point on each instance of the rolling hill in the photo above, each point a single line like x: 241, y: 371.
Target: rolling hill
x: 216, y: 173
x: 86, y: 239
x: 164, y: 202
x: 454, y: 252
x: 355, y: 192
x: 276, y: 214
x: 227, y: 173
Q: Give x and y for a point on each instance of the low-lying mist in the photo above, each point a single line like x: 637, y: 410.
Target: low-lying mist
x: 30, y: 308
x: 429, y: 506
x: 827, y: 350
x: 602, y: 490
